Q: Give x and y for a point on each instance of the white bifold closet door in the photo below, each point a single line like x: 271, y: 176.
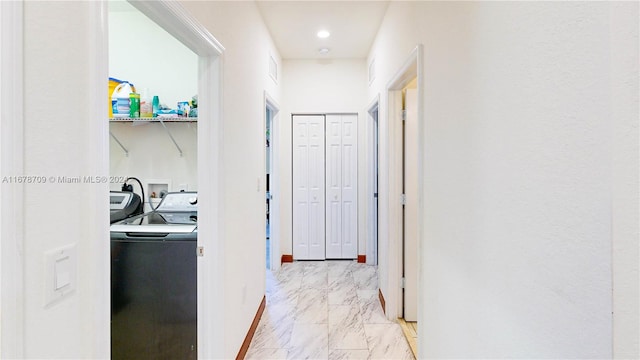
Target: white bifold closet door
x: 308, y: 187
x: 341, y: 186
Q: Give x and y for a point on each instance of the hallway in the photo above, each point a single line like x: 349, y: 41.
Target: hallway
x: 326, y: 310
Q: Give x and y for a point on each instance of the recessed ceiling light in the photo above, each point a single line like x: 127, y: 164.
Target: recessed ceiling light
x: 322, y: 34
x: 324, y: 51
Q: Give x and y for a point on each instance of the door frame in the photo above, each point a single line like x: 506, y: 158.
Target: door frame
x: 11, y: 163
x: 178, y: 22
x: 372, y: 241
x: 412, y: 68
x: 274, y: 182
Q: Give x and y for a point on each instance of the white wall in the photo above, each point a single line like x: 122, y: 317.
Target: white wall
x: 58, y: 75
x: 240, y: 29
x: 152, y: 154
x: 146, y: 55
x: 625, y: 152
x: 516, y: 259
x: 322, y: 86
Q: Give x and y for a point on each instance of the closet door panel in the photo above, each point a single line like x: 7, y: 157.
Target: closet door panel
x: 349, y: 191
x: 300, y: 187
x: 316, y: 188
x: 334, y: 186
x: 308, y: 188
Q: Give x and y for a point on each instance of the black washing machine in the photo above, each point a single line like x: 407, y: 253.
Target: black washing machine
x: 153, y: 282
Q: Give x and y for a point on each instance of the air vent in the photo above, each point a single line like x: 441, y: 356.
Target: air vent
x: 372, y: 71
x: 273, y: 68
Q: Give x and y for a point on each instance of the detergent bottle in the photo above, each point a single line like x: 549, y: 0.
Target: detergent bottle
x: 120, y: 99
x: 113, y: 83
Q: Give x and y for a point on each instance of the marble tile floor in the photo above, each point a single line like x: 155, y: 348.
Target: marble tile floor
x: 326, y: 310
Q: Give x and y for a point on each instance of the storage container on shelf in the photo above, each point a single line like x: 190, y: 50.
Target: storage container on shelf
x: 146, y: 106
x: 134, y: 105
x: 120, y: 98
x: 113, y: 83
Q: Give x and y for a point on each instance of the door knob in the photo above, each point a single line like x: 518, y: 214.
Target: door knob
x: 335, y: 197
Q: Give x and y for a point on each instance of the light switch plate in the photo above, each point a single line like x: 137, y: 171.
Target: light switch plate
x: 61, y: 274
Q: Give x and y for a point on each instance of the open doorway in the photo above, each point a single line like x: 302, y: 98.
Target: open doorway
x: 410, y: 212
x: 410, y: 203
x: 268, y: 144
x: 160, y: 154
x: 271, y: 188
x: 406, y: 153
x: 372, y: 241
x: 181, y: 25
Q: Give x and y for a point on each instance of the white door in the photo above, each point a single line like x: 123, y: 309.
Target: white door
x: 334, y: 186
x: 411, y: 206
x: 341, y: 180
x: 349, y: 186
x: 308, y: 187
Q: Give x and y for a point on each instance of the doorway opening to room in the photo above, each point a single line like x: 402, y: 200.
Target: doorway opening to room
x: 272, y: 213
x: 170, y: 153
x: 268, y: 170
x: 372, y: 243
x: 156, y: 150
x: 406, y: 152
x: 410, y: 210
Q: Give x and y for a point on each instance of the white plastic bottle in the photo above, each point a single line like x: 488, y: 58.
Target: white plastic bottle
x: 120, y: 99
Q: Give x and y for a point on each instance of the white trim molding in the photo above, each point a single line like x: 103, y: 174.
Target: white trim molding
x: 172, y: 17
x: 211, y: 280
x: 11, y: 195
x: 97, y: 145
x: 372, y: 71
x: 273, y: 68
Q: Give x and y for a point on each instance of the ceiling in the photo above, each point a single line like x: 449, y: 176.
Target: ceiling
x: 294, y: 24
